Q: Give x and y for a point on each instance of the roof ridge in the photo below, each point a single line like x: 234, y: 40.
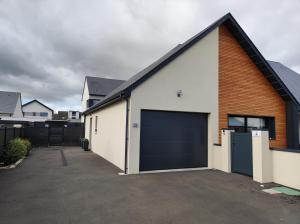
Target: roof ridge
x: 88, y: 76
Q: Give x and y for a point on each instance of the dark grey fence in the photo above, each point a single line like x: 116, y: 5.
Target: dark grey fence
x: 7, y: 134
x: 43, y: 136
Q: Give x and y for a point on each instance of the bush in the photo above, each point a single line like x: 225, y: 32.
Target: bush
x: 16, y: 150
x: 27, y: 143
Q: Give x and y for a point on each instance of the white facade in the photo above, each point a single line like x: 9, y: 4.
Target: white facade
x: 74, y: 116
x: 18, y: 110
x: 86, y: 96
x: 194, y: 72
x: 108, y: 131
x: 37, y: 112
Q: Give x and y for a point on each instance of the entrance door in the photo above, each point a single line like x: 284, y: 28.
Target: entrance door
x: 90, y: 134
x: 241, y: 153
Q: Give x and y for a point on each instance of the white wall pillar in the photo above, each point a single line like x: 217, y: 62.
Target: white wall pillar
x: 226, y: 150
x: 262, y: 157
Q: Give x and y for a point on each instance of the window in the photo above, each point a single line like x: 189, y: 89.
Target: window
x: 96, y: 124
x: 249, y: 123
x: 91, y: 102
x: 44, y: 114
x: 73, y: 113
x: 236, y: 121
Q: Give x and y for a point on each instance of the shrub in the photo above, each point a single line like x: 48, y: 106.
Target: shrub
x: 27, y: 143
x: 86, y: 144
x: 16, y: 150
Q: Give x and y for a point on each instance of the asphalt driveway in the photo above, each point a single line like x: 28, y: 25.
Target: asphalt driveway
x: 68, y: 185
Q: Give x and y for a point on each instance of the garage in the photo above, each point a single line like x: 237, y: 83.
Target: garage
x: 173, y: 140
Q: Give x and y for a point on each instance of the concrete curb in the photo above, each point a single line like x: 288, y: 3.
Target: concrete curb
x: 12, y: 166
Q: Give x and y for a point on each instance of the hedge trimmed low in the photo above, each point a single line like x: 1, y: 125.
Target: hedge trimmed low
x: 17, y: 149
x: 27, y: 143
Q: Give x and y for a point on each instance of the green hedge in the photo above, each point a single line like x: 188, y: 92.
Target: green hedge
x: 17, y: 149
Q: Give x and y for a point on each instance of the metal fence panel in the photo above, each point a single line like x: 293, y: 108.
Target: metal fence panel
x: 72, y: 135
x: 38, y: 136
x: 43, y: 136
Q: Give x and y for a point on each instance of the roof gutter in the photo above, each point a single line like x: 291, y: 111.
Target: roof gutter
x: 110, y: 101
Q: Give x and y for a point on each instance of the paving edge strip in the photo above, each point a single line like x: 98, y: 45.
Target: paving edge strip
x: 12, y: 166
x: 63, y: 158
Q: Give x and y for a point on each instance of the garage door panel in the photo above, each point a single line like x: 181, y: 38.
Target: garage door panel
x: 170, y: 133
x: 170, y: 162
x: 173, y: 140
x: 170, y: 147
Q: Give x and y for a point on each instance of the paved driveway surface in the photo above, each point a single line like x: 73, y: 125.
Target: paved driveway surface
x: 84, y: 189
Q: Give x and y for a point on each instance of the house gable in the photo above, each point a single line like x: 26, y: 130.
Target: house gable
x: 244, y: 90
x: 18, y: 110
x: 195, y: 74
x: 124, y: 90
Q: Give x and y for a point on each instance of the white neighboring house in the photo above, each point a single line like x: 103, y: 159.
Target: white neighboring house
x: 95, y: 89
x: 10, y: 105
x: 74, y: 116
x: 37, y: 111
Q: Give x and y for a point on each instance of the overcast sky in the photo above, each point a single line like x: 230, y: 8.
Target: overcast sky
x: 47, y: 47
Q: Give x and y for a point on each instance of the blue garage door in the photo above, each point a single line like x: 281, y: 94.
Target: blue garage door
x: 173, y: 140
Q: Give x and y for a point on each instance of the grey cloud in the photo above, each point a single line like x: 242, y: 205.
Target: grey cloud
x: 47, y: 47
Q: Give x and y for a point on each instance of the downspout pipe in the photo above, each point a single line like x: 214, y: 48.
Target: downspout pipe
x: 126, y: 137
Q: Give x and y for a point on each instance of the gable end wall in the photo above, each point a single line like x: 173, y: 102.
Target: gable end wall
x: 244, y: 90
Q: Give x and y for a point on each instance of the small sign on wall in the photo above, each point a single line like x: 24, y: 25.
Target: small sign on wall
x: 256, y: 133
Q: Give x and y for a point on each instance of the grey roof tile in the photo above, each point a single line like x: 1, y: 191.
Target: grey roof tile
x: 8, y: 101
x: 102, y: 86
x: 290, y: 78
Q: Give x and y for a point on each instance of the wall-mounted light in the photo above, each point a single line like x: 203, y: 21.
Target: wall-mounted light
x: 179, y: 93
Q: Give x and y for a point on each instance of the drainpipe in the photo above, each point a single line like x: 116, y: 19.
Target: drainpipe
x: 126, y: 137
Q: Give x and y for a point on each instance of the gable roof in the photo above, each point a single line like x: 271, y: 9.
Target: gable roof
x: 32, y: 101
x: 101, y: 86
x: 290, y: 78
x: 8, y: 101
x: 124, y: 90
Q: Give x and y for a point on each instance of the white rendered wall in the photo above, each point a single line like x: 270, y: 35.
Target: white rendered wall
x: 195, y: 73
x: 109, y: 140
x: 36, y: 107
x: 286, y: 166
x: 18, y: 110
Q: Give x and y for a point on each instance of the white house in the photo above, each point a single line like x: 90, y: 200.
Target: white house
x: 74, y: 116
x: 10, y: 105
x: 37, y: 111
x: 175, y: 114
x: 95, y: 89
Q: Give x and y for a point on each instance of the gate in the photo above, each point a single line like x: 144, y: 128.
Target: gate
x: 56, y: 136
x: 241, y: 153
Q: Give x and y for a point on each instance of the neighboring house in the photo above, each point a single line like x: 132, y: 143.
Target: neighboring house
x: 171, y: 114
x: 291, y: 79
x: 10, y: 105
x: 61, y: 116
x: 74, y: 116
x: 37, y: 111
x: 95, y: 89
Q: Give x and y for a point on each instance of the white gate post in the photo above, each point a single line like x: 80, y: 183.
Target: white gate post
x: 262, y: 157
x: 226, y: 150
